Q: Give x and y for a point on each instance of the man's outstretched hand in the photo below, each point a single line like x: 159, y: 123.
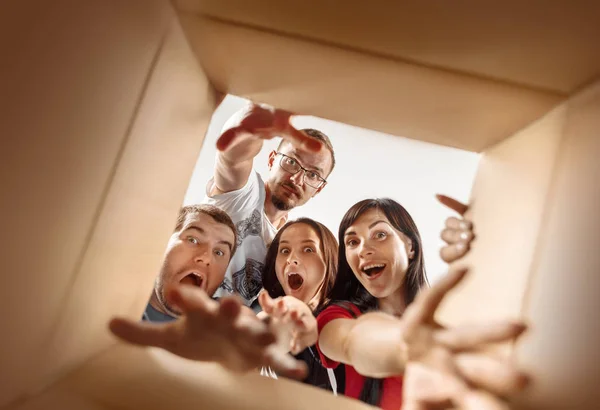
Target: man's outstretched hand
x: 264, y: 122
x: 221, y: 331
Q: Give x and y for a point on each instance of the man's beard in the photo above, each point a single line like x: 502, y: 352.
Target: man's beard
x: 280, y: 204
x: 283, y: 203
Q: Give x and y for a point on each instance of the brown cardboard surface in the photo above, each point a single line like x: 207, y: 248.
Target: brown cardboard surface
x: 509, y: 195
x: 391, y: 96
x: 535, y: 208
x: 103, y: 111
x: 542, y: 44
x: 127, y: 377
x: 562, y: 302
x: 102, y: 125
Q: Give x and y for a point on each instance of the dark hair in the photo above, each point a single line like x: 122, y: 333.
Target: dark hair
x: 329, y: 249
x: 347, y: 288
x: 215, y: 213
x: 318, y: 135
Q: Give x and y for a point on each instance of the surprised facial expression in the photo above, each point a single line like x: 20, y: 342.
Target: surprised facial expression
x: 197, y: 254
x: 377, y: 253
x: 300, y: 266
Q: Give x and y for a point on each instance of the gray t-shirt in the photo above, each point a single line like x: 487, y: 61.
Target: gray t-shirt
x: 245, y: 206
x: 153, y: 315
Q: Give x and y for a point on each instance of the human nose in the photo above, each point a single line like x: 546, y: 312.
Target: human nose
x: 298, y: 177
x: 292, y: 259
x: 203, y: 255
x: 365, y: 250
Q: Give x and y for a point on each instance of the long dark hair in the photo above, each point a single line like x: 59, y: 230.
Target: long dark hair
x: 329, y: 250
x: 347, y: 288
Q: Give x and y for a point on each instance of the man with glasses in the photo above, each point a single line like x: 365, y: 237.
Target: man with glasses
x: 298, y: 171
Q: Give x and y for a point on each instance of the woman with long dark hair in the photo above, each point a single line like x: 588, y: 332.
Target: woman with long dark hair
x: 381, y: 329
x: 300, y: 270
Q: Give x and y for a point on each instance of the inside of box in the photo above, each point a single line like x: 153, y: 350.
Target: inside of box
x: 102, y: 128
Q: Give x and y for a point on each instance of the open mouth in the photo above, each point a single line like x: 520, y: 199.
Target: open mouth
x: 373, y: 269
x: 194, y: 279
x: 295, y: 281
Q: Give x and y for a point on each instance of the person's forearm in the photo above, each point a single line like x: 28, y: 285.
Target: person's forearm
x: 231, y: 175
x: 374, y: 346
x: 234, y: 163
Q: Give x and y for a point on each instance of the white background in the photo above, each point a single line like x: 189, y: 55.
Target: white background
x: 368, y: 164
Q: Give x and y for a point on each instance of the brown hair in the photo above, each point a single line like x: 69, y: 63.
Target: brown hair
x: 329, y: 249
x: 318, y: 135
x: 348, y: 288
x: 215, y: 213
x: 347, y: 285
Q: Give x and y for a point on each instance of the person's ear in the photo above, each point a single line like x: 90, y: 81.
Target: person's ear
x: 410, y: 250
x: 271, y: 161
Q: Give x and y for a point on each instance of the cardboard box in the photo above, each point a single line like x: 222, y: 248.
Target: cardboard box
x: 103, y: 111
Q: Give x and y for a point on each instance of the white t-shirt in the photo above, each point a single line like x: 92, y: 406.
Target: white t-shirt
x: 255, y: 232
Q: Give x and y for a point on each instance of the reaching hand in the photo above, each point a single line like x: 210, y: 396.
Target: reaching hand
x: 264, y: 122
x: 458, y: 232
x: 292, y: 320
x: 220, y: 331
x: 445, y: 366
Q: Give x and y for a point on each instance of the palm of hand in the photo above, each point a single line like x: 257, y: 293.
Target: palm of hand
x: 430, y: 377
x: 429, y: 374
x: 238, y: 341
x: 291, y: 320
x: 264, y: 122
x: 223, y: 331
x: 445, y: 366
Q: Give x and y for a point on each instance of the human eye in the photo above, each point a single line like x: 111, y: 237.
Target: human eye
x: 381, y: 235
x: 308, y: 249
x: 219, y: 252
x: 313, y: 176
x: 291, y: 161
x: 284, y: 250
x: 351, y: 242
x: 193, y: 240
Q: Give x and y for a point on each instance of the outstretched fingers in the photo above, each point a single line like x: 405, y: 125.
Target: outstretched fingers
x: 455, y: 251
x: 142, y: 333
x: 423, y: 308
x: 486, y: 372
x: 300, y: 138
x: 259, y: 121
x: 193, y: 301
x: 266, y: 302
x: 473, y: 336
x: 481, y: 400
x: 230, y: 308
x: 285, y: 365
x: 453, y: 204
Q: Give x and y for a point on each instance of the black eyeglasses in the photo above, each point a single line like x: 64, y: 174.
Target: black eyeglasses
x: 291, y: 165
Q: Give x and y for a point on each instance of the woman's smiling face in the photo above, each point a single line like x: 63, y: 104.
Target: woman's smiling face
x: 377, y: 253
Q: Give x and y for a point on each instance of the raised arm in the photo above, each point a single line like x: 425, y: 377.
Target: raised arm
x: 225, y: 332
x: 242, y: 139
x: 371, y: 344
x: 380, y: 345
